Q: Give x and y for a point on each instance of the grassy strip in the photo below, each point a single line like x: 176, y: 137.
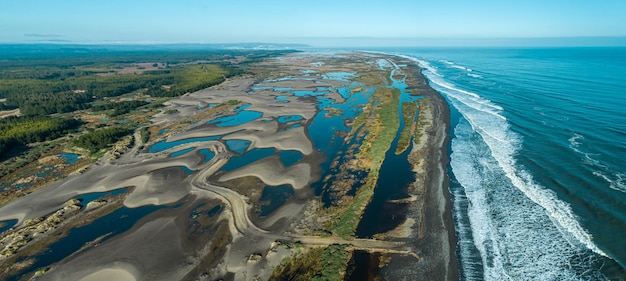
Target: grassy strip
x: 317, y: 264
x: 301, y: 267
x: 408, y: 114
x: 388, y: 117
x: 421, y: 123
x: 334, y: 261
x: 345, y: 225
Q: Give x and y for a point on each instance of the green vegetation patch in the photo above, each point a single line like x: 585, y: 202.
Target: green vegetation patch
x: 389, y: 118
x: 334, y: 261
x: 119, y: 108
x: 24, y: 130
x: 345, y: 225
x: 408, y: 114
x: 301, y: 267
x: 145, y: 134
x: 99, y: 139
x: 190, y: 78
x: 316, y: 265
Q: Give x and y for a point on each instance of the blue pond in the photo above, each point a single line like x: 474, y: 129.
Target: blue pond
x: 163, y: 131
x: 279, y: 89
x: 250, y: 157
x: 88, y: 197
x: 163, y: 145
x: 242, y: 117
x: 290, y: 157
x: 289, y: 118
x: 282, y: 99
x: 7, y: 225
x: 208, y: 155
x: 308, y: 93
x: 238, y: 146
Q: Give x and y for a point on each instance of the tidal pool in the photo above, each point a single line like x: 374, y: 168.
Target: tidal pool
x: 88, y: 197
x: 207, y: 154
x: 70, y: 157
x: 288, y: 118
x: 238, y: 146
x: 242, y: 117
x: 6, y: 225
x: 249, y: 157
x: 164, y: 145
x: 290, y: 157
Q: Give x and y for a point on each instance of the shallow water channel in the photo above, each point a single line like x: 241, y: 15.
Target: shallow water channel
x: 394, y: 177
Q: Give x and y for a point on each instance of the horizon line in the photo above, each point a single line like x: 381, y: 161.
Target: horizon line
x: 361, y: 41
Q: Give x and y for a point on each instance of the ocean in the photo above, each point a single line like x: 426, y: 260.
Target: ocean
x: 538, y: 177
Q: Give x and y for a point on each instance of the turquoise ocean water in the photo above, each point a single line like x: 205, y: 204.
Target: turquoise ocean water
x: 537, y: 156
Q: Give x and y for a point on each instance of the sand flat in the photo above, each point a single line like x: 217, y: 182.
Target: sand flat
x: 107, y: 274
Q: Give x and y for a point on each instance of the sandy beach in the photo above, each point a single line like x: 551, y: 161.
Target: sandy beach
x: 439, y: 240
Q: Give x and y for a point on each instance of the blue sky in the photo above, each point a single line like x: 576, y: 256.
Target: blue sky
x: 316, y: 22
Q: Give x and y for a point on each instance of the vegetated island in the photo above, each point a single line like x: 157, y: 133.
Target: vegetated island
x: 289, y: 166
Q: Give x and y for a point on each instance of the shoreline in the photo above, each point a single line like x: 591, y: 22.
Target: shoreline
x: 439, y: 240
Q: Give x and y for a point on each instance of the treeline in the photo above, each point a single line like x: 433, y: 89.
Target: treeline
x: 192, y: 78
x: 106, y: 85
x: 119, y: 108
x: 41, y: 97
x: 99, y: 139
x: 46, y: 72
x: 18, y: 131
x: 48, y: 103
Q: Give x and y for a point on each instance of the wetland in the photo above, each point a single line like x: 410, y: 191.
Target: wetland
x: 330, y: 163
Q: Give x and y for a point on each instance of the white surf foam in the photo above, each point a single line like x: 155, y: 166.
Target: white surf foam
x: 454, y: 65
x: 461, y: 67
x: 503, y: 148
x: 511, y: 232
x: 569, y: 236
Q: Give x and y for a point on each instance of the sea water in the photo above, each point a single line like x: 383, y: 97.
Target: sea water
x: 538, y: 177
